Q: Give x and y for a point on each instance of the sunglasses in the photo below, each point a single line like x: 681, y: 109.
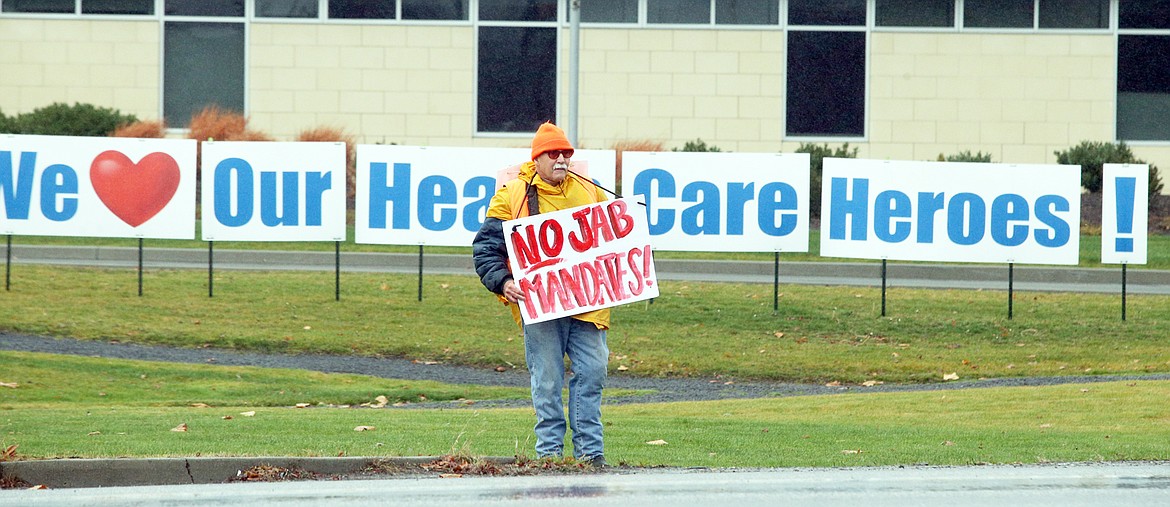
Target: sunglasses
x: 555, y: 154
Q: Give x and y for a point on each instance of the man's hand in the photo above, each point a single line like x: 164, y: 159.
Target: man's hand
x: 512, y: 292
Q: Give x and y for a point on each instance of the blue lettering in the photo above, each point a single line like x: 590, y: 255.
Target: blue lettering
x: 1005, y: 209
x: 433, y: 191
x: 268, y: 198
x: 316, y: 184
x: 1060, y: 230
x: 738, y: 195
x: 227, y: 171
x: 17, y: 189
x: 381, y: 193
x: 970, y: 209
x: 481, y: 187
x: 776, y: 197
x: 928, y: 206
x: 706, y: 212
x: 889, y: 205
x: 841, y: 207
x: 58, y: 179
x: 659, y: 221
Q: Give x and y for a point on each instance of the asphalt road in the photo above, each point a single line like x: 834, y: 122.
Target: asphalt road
x: 1098, y: 485
x: 898, y: 274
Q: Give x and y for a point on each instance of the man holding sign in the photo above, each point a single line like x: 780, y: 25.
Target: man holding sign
x: 545, y: 185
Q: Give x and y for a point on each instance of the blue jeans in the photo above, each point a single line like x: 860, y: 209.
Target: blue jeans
x: 545, y: 346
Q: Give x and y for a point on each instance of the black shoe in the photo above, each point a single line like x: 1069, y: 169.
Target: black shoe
x: 595, y: 461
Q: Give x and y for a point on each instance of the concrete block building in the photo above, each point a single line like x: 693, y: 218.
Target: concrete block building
x: 899, y: 79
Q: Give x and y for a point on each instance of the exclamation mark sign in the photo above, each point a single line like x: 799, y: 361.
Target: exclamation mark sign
x: 1124, y: 202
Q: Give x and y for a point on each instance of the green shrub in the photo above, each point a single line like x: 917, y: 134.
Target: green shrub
x: 817, y: 154
x: 7, y: 124
x: 966, y: 156
x: 1092, y: 156
x: 697, y: 145
x: 60, y: 119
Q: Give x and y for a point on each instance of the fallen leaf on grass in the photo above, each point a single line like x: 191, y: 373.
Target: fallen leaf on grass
x: 180, y: 428
x: 365, y: 428
x: 622, y: 367
x: 379, y: 402
x: 303, y: 405
x: 93, y: 433
x: 948, y: 443
x: 951, y: 376
x: 871, y: 383
x: 12, y: 385
x: 851, y: 451
x: 656, y: 442
x: 200, y: 405
x: 250, y: 413
x: 834, y: 383
x: 226, y: 418
x: 450, y: 476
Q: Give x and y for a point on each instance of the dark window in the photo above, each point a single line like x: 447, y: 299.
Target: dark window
x: 222, y: 8
x: 826, y: 84
x: 1143, y: 87
x: 361, y: 9
x: 1074, y: 14
x: 517, y: 78
x: 38, y: 6
x: 607, y: 11
x: 203, y: 65
x: 826, y: 12
x: 117, y: 6
x: 678, y: 12
x: 434, y: 9
x: 924, y: 13
x: 286, y: 8
x: 1143, y: 14
x: 747, y: 12
x: 997, y: 13
x: 518, y: 10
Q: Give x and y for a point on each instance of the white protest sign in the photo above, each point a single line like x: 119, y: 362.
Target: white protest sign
x: 950, y: 211
x: 1125, y: 210
x: 97, y: 186
x: 414, y: 195
x: 581, y: 259
x: 273, y: 191
x: 722, y: 202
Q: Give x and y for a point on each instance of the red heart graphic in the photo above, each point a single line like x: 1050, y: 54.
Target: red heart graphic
x: 134, y: 192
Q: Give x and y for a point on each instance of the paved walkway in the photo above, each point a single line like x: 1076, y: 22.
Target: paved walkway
x: 898, y: 274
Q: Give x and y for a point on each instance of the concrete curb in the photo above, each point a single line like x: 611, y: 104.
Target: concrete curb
x: 94, y: 473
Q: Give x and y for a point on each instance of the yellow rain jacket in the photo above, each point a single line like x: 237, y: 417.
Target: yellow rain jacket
x: 509, y: 203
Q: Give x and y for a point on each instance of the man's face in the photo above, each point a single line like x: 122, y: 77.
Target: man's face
x: 553, y: 166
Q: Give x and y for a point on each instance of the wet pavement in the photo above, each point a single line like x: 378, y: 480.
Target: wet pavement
x: 1098, y: 485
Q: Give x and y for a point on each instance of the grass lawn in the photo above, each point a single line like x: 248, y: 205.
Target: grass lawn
x: 87, y: 407
x: 91, y: 407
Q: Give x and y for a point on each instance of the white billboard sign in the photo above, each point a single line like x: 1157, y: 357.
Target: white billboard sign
x: 97, y: 186
x: 950, y: 211
x: 722, y: 202
x: 273, y: 191
x: 1125, y: 210
x: 413, y: 195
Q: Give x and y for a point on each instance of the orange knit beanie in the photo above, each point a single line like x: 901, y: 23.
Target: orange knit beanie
x: 549, y: 137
